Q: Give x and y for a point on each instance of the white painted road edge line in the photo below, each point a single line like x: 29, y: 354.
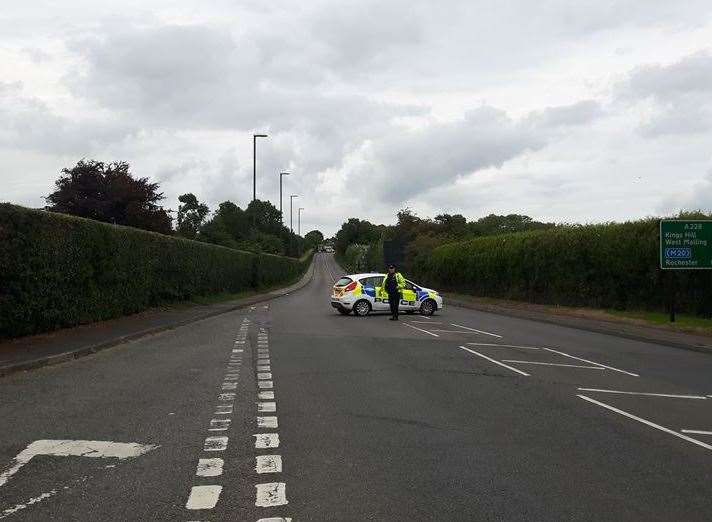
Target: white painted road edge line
x: 420, y: 329
x: 697, y: 432
x: 644, y: 393
x: 647, y: 422
x: 591, y: 362
x: 555, y: 364
x: 520, y: 372
x: 495, y: 345
x: 478, y: 331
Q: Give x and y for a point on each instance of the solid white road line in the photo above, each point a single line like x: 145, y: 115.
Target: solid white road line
x: 520, y: 372
x: 454, y: 331
x: 697, y: 432
x: 277, y: 519
x: 420, y: 329
x: 424, y: 322
x: 495, y: 345
x: 266, y: 407
x: 647, y: 422
x: 478, y: 331
x: 215, y: 444
x: 266, y: 440
x: 645, y: 393
x: 555, y: 364
x: 592, y: 362
x: 271, y: 494
x: 209, y: 467
x: 267, y: 422
x: 268, y: 464
x: 203, y: 497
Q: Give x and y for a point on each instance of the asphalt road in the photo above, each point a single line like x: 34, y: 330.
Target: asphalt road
x: 463, y: 416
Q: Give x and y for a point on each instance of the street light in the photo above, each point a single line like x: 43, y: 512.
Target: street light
x: 291, y: 219
x: 254, y: 163
x: 281, y: 216
x: 299, y: 221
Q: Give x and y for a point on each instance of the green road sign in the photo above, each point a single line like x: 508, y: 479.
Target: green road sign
x: 685, y: 244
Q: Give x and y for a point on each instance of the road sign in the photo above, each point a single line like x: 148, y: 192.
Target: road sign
x: 685, y: 245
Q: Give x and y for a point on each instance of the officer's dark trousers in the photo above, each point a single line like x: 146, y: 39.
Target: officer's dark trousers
x: 393, y: 302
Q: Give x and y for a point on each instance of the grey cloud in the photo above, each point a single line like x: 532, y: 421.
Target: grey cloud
x: 681, y: 92
x: 29, y: 124
x: 579, y: 113
x: 405, y: 164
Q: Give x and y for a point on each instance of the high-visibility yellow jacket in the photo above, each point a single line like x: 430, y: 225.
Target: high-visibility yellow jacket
x: 400, y: 281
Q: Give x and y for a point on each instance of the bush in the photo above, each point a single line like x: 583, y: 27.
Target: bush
x: 60, y: 270
x: 601, y: 266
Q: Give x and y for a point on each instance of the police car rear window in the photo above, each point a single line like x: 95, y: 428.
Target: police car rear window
x: 343, y: 281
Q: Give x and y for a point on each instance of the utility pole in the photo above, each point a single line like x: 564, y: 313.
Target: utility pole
x: 254, y: 163
x: 299, y: 221
x: 291, y: 218
x: 281, y: 216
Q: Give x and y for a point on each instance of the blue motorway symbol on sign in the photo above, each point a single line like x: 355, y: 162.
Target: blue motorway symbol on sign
x: 678, y: 253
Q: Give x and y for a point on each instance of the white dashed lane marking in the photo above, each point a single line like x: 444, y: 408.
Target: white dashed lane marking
x: 266, y: 440
x: 209, y: 467
x: 265, y: 395
x: 267, y: 422
x: 215, y: 444
x: 268, y: 464
x: 271, y: 494
x: 203, y: 497
x: 266, y: 407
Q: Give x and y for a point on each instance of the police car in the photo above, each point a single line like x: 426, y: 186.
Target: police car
x: 363, y: 294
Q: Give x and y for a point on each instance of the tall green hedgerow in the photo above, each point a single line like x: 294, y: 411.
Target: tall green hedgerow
x: 58, y: 270
x: 604, y: 266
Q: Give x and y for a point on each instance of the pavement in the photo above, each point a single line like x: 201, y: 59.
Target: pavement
x: 290, y: 411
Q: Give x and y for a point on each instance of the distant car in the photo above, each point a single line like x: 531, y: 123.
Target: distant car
x: 363, y: 294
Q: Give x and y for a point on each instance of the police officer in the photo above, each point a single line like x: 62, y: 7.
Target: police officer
x: 393, y: 283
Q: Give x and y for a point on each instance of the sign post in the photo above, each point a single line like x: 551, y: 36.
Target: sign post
x: 684, y: 245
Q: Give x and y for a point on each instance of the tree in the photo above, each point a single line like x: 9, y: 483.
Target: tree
x: 191, y: 215
x: 356, y: 231
x: 264, y: 216
x: 313, y: 239
x: 109, y: 193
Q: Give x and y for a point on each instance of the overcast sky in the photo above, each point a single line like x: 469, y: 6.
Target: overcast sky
x: 583, y: 111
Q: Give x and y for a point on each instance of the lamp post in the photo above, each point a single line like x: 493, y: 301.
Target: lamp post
x: 299, y: 221
x: 291, y: 219
x: 254, y: 163
x: 281, y: 216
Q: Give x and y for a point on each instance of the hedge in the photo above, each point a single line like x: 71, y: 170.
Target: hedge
x: 612, y: 265
x: 58, y: 270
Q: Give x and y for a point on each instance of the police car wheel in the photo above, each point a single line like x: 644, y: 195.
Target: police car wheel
x: 362, y: 308
x: 428, y: 307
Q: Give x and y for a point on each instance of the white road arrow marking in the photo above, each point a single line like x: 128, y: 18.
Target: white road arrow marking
x: 75, y: 448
